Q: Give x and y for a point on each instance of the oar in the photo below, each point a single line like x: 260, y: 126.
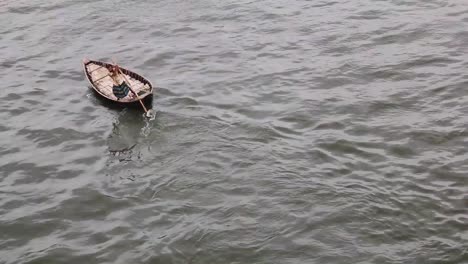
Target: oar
x: 129, y: 86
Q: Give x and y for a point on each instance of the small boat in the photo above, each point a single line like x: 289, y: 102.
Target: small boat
x: 99, y: 75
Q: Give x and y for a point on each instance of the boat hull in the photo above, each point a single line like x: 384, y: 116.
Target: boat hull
x: 98, y: 76
x: 147, y: 101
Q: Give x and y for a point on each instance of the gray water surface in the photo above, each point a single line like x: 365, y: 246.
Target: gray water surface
x: 286, y: 132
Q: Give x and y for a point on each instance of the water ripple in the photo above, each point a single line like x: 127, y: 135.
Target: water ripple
x: 286, y: 132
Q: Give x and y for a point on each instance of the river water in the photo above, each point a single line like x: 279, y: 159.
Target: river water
x: 285, y: 132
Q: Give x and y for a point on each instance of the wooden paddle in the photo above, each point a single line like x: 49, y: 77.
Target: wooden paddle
x: 130, y: 87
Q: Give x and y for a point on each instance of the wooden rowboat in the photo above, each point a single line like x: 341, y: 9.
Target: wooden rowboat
x: 98, y: 72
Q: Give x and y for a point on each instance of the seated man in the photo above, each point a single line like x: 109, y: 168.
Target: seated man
x: 120, y: 90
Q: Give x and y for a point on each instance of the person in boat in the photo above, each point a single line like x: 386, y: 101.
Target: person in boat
x: 120, y: 88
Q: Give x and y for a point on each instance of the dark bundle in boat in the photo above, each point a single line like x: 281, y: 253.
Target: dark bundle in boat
x: 118, y: 84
